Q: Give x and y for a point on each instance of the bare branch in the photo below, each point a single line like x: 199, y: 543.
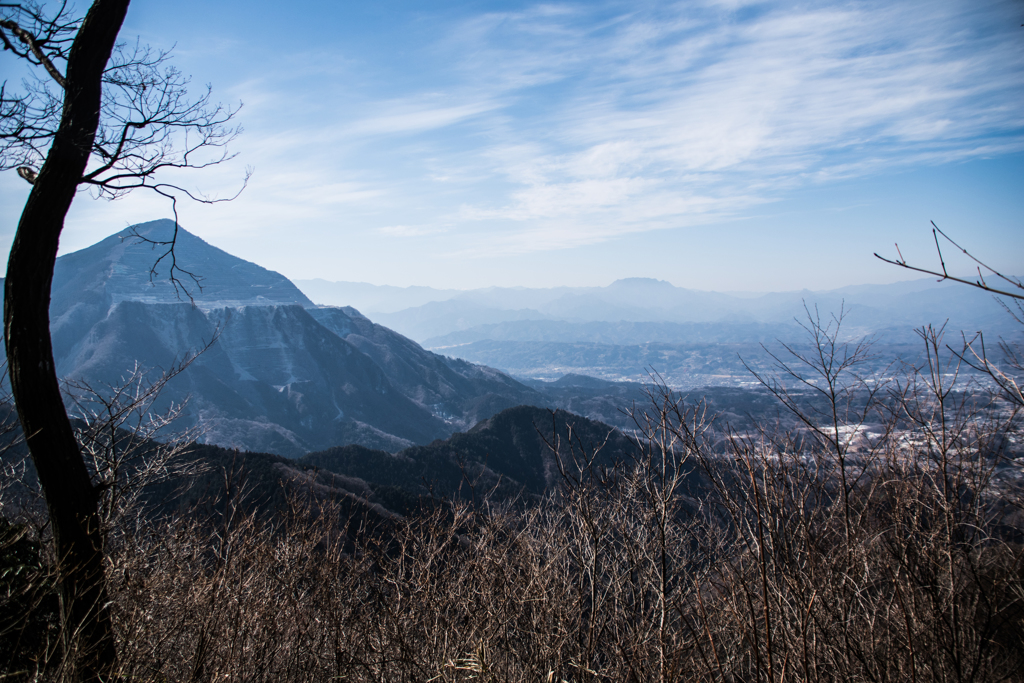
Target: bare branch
x: 944, y: 274
x: 34, y: 47
x: 150, y: 122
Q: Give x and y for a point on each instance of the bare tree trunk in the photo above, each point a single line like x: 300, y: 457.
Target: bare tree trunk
x: 70, y: 496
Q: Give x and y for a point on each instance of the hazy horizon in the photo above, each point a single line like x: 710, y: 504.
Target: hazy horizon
x: 743, y: 293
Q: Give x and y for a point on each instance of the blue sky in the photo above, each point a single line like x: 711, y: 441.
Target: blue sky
x: 716, y: 144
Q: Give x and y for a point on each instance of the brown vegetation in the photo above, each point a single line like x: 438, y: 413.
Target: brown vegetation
x: 819, y: 554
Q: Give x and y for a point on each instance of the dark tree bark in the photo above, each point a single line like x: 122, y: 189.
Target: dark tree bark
x: 71, y: 498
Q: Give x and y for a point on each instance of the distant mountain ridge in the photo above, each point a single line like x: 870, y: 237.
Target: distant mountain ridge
x: 282, y: 376
x: 513, y: 313
x: 505, y: 458
x: 638, y: 325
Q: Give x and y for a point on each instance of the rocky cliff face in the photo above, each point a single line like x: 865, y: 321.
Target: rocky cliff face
x: 281, y: 375
x: 461, y: 393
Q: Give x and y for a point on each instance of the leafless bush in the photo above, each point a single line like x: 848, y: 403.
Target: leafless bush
x: 127, y: 443
x: 880, y: 542
x: 115, y: 427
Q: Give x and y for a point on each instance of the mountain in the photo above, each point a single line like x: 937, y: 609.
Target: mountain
x: 506, y: 458
x: 376, y: 298
x: 460, y: 392
x: 279, y: 375
x: 515, y: 314
x: 506, y: 454
x: 690, y: 338
x: 125, y: 266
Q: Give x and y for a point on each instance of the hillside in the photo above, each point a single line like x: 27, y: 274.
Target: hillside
x: 279, y: 375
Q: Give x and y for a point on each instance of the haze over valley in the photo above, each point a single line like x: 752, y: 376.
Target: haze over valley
x: 631, y: 328
x: 289, y: 372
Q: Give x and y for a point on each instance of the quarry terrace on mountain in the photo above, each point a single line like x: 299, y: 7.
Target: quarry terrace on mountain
x: 278, y: 373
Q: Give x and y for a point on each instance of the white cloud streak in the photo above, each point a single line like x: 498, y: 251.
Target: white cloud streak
x: 568, y: 124
x: 682, y: 115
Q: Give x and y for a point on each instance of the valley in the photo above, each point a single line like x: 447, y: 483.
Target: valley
x: 285, y: 373
x: 636, y: 328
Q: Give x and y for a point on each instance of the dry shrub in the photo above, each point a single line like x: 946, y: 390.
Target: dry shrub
x: 823, y: 553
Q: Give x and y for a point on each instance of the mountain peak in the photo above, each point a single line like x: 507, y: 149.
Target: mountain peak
x: 641, y: 282
x: 162, y: 229
x: 135, y: 265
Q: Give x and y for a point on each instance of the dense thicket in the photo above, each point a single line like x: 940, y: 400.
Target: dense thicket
x: 882, y: 541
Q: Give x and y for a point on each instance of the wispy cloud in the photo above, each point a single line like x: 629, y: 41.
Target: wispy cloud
x: 670, y: 116
x: 566, y: 124
x: 412, y: 230
x: 414, y: 117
